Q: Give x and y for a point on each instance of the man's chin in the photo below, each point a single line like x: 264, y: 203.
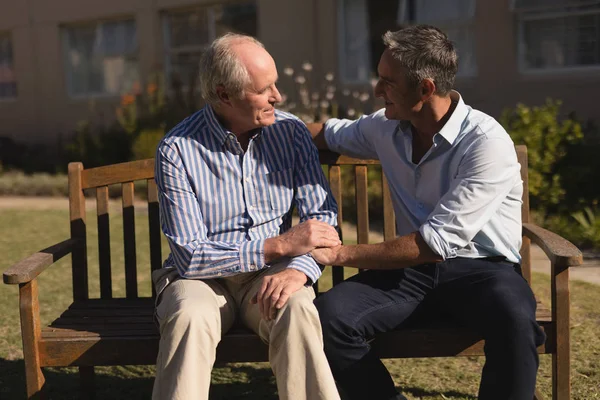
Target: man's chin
x: 267, y: 120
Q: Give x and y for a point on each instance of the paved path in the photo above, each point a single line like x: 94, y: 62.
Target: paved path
x: 589, y: 272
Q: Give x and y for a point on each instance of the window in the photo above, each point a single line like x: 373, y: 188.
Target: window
x: 8, y: 82
x: 363, y: 22
x: 558, y: 34
x: 188, y: 33
x: 101, y: 58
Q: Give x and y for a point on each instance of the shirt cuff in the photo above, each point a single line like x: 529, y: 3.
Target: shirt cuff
x: 436, y: 242
x: 308, y: 266
x: 252, y: 255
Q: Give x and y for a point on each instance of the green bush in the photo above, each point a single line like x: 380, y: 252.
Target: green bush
x: 547, y: 138
x: 17, y: 183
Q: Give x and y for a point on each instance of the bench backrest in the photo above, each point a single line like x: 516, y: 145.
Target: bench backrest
x: 99, y: 179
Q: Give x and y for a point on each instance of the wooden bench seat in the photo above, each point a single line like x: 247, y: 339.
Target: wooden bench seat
x: 104, y: 332
x: 121, y: 331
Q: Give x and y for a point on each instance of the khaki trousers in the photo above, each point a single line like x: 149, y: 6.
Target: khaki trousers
x: 194, y: 314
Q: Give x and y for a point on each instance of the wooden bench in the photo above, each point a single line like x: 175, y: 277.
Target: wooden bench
x: 120, y: 331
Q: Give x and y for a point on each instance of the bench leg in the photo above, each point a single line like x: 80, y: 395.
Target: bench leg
x: 30, y: 333
x: 86, y: 376
x: 561, y: 364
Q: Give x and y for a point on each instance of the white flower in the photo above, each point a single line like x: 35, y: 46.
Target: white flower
x: 351, y: 112
x: 329, y: 96
x: 374, y: 82
x: 346, y: 92
x: 300, y: 79
x: 355, y: 94
x: 307, y: 66
x: 364, y: 97
x: 329, y: 77
x: 315, y: 96
x: 289, y: 71
x: 331, y: 88
x: 324, y: 104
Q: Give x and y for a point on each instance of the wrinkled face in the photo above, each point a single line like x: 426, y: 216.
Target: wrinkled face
x: 256, y: 107
x: 401, y: 101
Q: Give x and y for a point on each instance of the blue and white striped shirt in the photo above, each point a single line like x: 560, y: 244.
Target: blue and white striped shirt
x: 219, y: 204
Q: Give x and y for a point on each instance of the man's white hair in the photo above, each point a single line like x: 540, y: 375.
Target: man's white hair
x: 219, y: 65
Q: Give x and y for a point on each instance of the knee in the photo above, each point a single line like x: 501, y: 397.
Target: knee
x: 300, y: 308
x: 186, y: 318
x: 332, y: 315
x: 517, y: 325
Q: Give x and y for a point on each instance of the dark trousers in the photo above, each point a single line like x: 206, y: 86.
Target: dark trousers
x: 488, y: 296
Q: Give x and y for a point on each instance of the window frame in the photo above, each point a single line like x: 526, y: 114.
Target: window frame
x: 443, y: 25
x: 168, y: 50
x: 523, y: 15
x: 65, y: 49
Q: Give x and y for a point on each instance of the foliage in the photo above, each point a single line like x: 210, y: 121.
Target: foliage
x: 588, y: 220
x: 547, y: 139
x: 146, y: 115
x: 17, y: 183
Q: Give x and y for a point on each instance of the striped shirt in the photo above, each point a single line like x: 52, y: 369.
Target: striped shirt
x: 218, y: 203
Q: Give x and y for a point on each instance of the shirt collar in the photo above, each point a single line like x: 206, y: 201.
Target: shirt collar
x: 215, y: 126
x: 219, y: 130
x: 452, y: 127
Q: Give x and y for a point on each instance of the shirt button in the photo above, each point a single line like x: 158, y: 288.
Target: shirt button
x: 247, y: 179
x: 251, y: 207
x: 252, y: 267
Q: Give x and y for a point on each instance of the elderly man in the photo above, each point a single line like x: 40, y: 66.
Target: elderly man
x: 228, y: 177
x: 456, y: 188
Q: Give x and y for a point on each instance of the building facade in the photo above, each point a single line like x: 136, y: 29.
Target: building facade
x: 64, y: 61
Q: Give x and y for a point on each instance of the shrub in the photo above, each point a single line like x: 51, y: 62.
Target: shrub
x: 547, y: 139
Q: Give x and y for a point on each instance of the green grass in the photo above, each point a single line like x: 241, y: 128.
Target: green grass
x: 23, y: 232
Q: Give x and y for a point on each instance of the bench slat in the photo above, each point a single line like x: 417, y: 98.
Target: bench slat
x: 389, y: 219
x: 154, y: 229
x: 131, y: 289
x: 335, y: 182
x: 104, y: 242
x: 362, y: 204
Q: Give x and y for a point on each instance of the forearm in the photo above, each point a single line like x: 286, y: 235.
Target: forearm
x: 208, y: 259
x: 403, y: 252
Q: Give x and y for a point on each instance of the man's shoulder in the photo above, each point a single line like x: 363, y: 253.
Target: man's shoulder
x: 189, y: 127
x: 481, y: 125
x: 286, y: 118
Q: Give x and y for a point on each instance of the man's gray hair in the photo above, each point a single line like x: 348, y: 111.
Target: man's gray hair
x: 425, y: 52
x: 219, y: 65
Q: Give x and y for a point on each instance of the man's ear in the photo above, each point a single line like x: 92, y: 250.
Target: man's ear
x: 427, y: 89
x: 223, y: 95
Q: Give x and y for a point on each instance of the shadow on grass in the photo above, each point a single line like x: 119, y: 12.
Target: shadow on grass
x: 435, y: 394
x: 230, y: 382
x: 135, y: 382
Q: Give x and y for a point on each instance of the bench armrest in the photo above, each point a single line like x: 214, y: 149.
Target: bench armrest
x: 562, y: 253
x: 29, y: 268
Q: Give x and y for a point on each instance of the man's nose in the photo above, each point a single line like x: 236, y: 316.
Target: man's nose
x: 276, y: 95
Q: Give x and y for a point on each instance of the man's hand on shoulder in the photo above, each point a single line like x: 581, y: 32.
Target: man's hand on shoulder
x: 276, y: 289
x: 301, y: 239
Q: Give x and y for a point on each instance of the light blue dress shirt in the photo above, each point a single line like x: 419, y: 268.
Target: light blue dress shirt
x: 464, y: 196
x: 219, y: 204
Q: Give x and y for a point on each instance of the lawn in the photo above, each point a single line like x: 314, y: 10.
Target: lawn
x: 25, y: 231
